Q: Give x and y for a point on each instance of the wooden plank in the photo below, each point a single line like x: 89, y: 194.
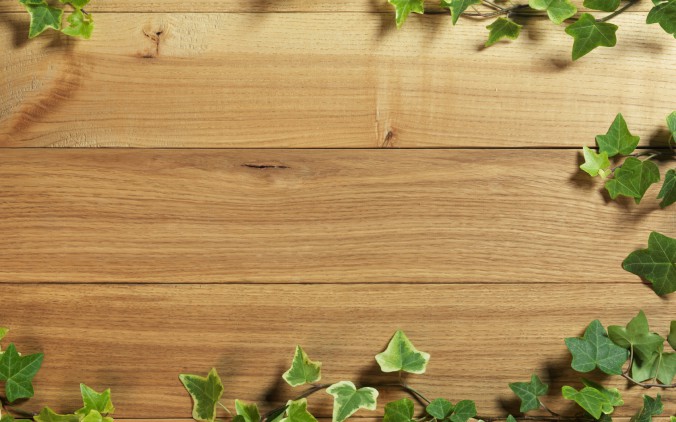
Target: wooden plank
x: 136, y: 339
x: 311, y: 80
x: 232, y: 6
x: 313, y: 216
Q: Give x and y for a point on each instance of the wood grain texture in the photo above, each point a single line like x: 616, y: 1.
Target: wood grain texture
x: 311, y: 80
x: 136, y: 339
x: 258, y: 6
x: 323, y: 216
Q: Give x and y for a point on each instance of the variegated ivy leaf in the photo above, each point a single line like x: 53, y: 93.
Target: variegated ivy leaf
x: 557, y: 10
x: 529, y: 392
x: 205, y: 392
x: 302, y: 370
x: 296, y: 411
x: 399, y: 411
x: 347, y: 399
x: 42, y: 15
x: 248, y: 412
x: 401, y: 355
x: 48, y: 415
x: 80, y: 25
x: 93, y: 400
x: 595, y: 349
x: 502, y: 28
x: 405, y: 7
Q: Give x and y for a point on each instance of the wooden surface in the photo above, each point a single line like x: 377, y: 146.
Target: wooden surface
x: 304, y: 173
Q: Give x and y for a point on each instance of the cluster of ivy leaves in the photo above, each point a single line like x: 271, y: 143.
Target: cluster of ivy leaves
x: 17, y: 371
x: 43, y: 16
x: 596, y: 349
x: 633, y: 177
x: 587, y: 31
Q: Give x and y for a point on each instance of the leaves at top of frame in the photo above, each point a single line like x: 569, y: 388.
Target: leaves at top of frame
x: 589, y: 34
x: 633, y: 179
x: 594, y: 398
x: 618, y: 139
x: 529, y: 392
x: 557, y: 10
x: 651, y: 407
x: 79, y: 4
x: 595, y: 163
x: 347, y: 399
x: 42, y: 16
x: 664, y: 13
x: 401, y: 355
x: 302, y: 370
x: 296, y: 411
x: 48, y: 415
x: 668, y: 192
x: 205, y: 392
x: 81, y: 25
x: 399, y: 411
x: 603, y: 5
x: 457, y: 7
x: 404, y: 7
x: 18, y: 371
x: 595, y: 349
x: 637, y: 336
x: 656, y: 264
x: 502, y: 28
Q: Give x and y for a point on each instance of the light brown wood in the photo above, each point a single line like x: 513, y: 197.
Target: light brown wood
x: 136, y: 339
x: 314, y: 80
x: 320, y: 216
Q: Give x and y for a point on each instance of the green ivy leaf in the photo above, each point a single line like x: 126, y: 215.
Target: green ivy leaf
x: 502, y: 28
x: 664, y: 13
x: 48, y: 415
x: 651, y: 407
x: 656, y: 264
x: 596, y: 402
x: 42, y: 15
x: 589, y: 34
x: 249, y: 412
x: 79, y: 4
x: 557, y: 10
x: 660, y: 365
x: 93, y: 416
x: 205, y: 392
x: 296, y: 411
x: 668, y: 191
x: 401, y: 355
x: 457, y: 7
x: 3, y: 332
x: 399, y: 411
x: 612, y: 395
x: 633, y: 179
x: 302, y: 370
x: 347, y: 399
x: 6, y: 418
x: 595, y: 163
x: 671, y: 124
x: 529, y: 392
x: 595, y: 349
x: 604, y: 5
x: 92, y: 400
x: 81, y: 25
x: 439, y: 408
x: 18, y: 371
x: 511, y: 418
x: 463, y: 411
x: 672, y: 335
x: 404, y: 7
x: 618, y: 139
x: 637, y: 336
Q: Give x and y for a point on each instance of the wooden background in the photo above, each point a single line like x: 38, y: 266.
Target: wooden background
x: 301, y: 172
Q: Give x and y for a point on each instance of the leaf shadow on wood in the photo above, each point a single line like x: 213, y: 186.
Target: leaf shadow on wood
x: 274, y: 394
x: 19, y: 25
x: 659, y: 139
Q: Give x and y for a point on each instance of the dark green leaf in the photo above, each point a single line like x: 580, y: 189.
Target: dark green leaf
x: 529, y: 392
x: 18, y: 371
x: 656, y: 264
x: 589, y: 34
x: 604, y: 5
x: 205, y: 392
x: 457, y: 7
x: 595, y: 349
x: 502, y: 28
x: 399, y: 411
x: 440, y: 408
x: 633, y: 179
x: 463, y: 411
x: 651, y: 407
x: 404, y: 7
x: 668, y: 191
x: 76, y: 3
x: 636, y: 335
x: 671, y: 124
x: 664, y: 13
x: 618, y: 139
x: 672, y: 335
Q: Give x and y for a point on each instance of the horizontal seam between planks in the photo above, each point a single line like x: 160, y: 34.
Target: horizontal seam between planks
x: 312, y: 283
x: 377, y: 12
x: 465, y: 148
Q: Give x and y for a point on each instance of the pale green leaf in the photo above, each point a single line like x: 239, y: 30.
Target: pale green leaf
x: 651, y: 407
x: 463, y: 411
x: 205, y: 392
x: 93, y: 400
x: 18, y: 371
x: 664, y: 13
x: 42, y: 16
x: 48, y: 415
x: 93, y: 416
x: 604, y: 5
x: 668, y: 191
x: 502, y: 28
x: 76, y: 3
x: 439, y: 408
x: 588, y: 34
x: 401, y: 355
x: 671, y: 124
x: 656, y: 264
x: 529, y: 392
x: 80, y: 25
x: 612, y: 395
x: 347, y: 399
x: 557, y: 10
x: 633, y: 179
x: 592, y: 400
x: 595, y: 163
x: 595, y: 349
x: 672, y: 335
x: 636, y: 335
x: 296, y: 411
x: 457, y: 7
x: 404, y: 7
x: 249, y: 412
x: 618, y: 139
x: 399, y: 411
x: 3, y: 332
x: 302, y: 370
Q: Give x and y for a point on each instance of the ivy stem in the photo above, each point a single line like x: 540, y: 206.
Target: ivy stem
x: 226, y: 409
x: 551, y: 412
x: 6, y: 405
x: 625, y: 375
x: 618, y: 11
